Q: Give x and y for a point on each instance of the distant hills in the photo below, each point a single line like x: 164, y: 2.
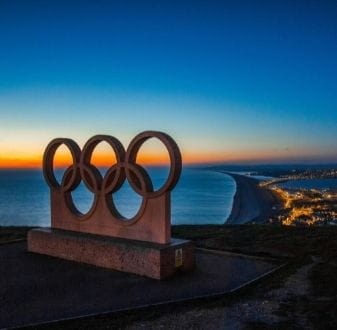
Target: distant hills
x: 271, y: 169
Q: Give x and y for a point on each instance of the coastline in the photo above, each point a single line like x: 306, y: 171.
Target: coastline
x: 251, y: 202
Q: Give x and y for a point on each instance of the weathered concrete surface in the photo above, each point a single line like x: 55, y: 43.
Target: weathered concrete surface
x: 36, y: 288
x: 153, y: 260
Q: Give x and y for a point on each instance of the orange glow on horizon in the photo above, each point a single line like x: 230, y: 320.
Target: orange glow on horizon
x: 18, y: 163
x: 154, y: 158
x: 105, y: 160
x: 64, y: 160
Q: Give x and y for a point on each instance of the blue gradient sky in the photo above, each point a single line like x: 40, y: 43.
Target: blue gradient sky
x: 234, y: 81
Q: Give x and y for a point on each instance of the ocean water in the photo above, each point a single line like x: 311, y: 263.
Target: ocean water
x: 310, y: 184
x: 201, y: 197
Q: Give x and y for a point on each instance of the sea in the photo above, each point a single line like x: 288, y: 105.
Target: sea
x: 201, y: 197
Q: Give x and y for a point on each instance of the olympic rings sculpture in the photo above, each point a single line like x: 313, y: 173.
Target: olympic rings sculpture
x: 125, y: 168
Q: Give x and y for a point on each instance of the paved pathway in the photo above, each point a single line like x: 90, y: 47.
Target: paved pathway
x: 36, y: 288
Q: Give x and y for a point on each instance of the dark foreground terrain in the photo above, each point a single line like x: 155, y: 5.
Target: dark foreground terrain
x: 303, y: 294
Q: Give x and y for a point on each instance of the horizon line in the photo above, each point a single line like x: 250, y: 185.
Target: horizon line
x: 187, y: 164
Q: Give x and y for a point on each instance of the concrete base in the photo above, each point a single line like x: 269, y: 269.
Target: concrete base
x: 153, y: 260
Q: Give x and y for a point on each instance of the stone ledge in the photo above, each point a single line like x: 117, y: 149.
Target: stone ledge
x: 153, y: 260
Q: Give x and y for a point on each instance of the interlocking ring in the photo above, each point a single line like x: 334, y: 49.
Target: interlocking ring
x: 71, y: 178
x: 125, y: 168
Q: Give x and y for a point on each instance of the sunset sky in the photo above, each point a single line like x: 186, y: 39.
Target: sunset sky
x: 231, y: 81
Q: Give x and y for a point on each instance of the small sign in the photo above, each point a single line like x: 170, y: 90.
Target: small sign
x: 178, y: 257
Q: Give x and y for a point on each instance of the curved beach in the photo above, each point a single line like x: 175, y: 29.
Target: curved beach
x: 251, y: 202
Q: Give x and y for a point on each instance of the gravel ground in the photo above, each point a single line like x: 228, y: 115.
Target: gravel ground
x: 244, y: 314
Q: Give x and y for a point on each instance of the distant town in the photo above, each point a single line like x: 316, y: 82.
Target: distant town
x: 303, y: 206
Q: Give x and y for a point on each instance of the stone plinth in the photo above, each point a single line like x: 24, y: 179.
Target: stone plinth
x: 153, y: 260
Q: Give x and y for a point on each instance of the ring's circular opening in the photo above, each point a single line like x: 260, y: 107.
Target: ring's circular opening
x: 82, y: 198
x: 154, y: 157
x: 103, y: 157
x: 125, y: 203
x: 62, y: 160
